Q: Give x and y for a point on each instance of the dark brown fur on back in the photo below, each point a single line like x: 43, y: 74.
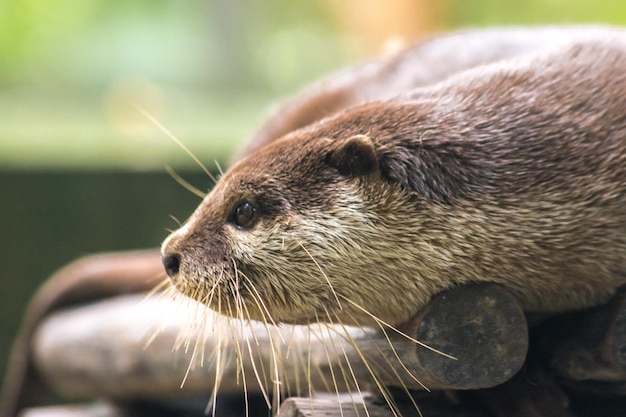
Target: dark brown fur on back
x: 506, y: 130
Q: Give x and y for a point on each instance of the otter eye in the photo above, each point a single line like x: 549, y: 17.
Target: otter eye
x: 245, y: 215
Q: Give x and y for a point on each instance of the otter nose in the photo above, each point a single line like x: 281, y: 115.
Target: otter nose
x: 171, y: 263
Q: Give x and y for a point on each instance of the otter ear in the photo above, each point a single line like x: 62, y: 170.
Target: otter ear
x: 354, y: 156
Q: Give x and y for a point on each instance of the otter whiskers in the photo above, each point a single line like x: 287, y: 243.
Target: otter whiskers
x: 234, y: 293
x: 173, y: 137
x: 344, y: 333
x: 321, y: 272
x: 241, y: 308
x: 384, y: 324
x: 349, y: 377
x: 184, y: 183
x: 286, y: 352
x: 383, y: 389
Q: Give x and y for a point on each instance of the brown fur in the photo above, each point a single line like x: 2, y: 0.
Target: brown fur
x: 429, y: 62
x: 513, y: 172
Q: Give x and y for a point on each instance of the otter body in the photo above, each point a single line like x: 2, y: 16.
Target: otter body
x: 512, y: 172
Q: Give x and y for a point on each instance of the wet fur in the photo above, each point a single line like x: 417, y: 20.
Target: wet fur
x: 513, y: 172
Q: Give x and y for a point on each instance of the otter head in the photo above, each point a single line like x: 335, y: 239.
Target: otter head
x: 310, y: 228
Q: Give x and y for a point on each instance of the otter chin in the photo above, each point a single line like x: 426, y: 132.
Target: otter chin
x: 512, y: 173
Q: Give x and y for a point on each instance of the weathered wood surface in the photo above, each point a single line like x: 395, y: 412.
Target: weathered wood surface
x: 87, y: 279
x: 346, y: 405
x: 100, y: 349
x: 227, y: 406
x: 531, y: 393
x: 590, y: 345
x: 354, y: 405
x: 97, y: 409
x: 481, y: 327
x: 575, y: 368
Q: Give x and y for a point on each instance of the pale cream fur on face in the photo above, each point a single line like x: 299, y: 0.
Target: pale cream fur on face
x: 327, y: 265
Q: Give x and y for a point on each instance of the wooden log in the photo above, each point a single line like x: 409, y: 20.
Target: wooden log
x: 590, y: 345
x: 358, y: 405
x: 97, y: 409
x: 99, y: 350
x: 531, y: 393
x: 481, y: 326
x: 233, y: 405
x: 86, y: 279
x: 597, y: 405
x: 346, y: 405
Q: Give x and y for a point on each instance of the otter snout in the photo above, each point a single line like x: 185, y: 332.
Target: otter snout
x: 171, y: 254
x: 194, y: 253
x: 171, y: 263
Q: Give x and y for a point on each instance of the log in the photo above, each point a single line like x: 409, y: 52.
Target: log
x: 357, y: 405
x: 226, y: 406
x: 97, y: 409
x: 346, y: 405
x: 590, y: 345
x: 481, y: 326
x: 102, y: 349
x: 531, y: 393
x: 99, y: 350
x: 87, y: 279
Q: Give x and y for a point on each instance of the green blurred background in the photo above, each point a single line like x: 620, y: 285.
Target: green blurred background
x: 82, y: 171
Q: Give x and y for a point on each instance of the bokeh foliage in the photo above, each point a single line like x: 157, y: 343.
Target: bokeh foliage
x: 207, y: 69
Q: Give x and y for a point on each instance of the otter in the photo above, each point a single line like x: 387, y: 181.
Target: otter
x: 512, y: 172
x: 439, y: 66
